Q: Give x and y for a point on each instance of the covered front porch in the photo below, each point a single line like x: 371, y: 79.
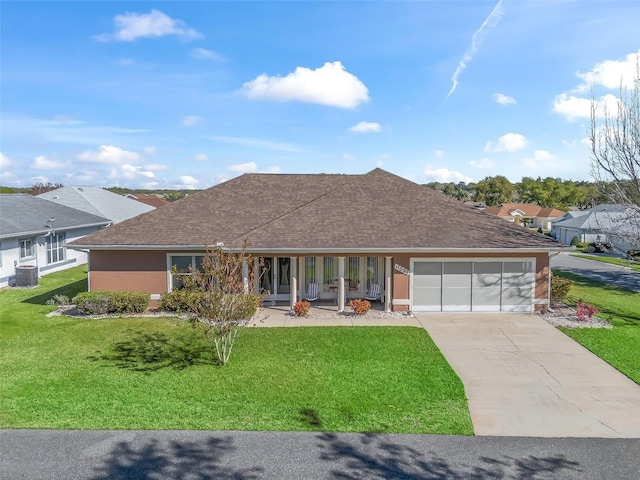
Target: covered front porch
x: 329, y: 281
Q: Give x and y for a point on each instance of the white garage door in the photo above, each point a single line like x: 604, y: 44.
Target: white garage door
x: 473, y: 286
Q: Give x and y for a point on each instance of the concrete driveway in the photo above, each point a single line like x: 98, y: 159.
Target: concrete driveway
x: 525, y: 378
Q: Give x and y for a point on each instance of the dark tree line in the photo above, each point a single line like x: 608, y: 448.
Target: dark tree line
x: 545, y: 192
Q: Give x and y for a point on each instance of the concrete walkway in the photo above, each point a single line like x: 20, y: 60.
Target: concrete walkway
x: 525, y: 378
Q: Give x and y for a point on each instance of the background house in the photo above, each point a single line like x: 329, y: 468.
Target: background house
x: 515, y: 212
x: 342, y: 233
x: 34, y: 231
x: 97, y: 201
x: 151, y: 200
x: 615, y: 224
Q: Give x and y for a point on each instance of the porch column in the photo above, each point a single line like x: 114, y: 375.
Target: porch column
x: 245, y: 276
x: 301, y: 279
x: 293, y: 287
x: 256, y: 275
x: 341, y: 284
x: 387, y: 284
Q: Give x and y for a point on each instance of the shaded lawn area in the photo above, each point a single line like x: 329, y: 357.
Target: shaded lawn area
x: 150, y: 373
x: 620, y: 345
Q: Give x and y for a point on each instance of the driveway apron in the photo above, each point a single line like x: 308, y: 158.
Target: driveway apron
x: 523, y: 377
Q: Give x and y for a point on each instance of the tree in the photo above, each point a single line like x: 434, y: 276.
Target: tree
x: 494, y: 190
x: 39, y: 188
x: 615, y: 158
x: 224, y: 297
x: 173, y: 196
x: 550, y: 192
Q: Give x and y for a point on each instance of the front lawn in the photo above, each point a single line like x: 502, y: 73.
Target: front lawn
x: 143, y: 373
x: 619, y: 345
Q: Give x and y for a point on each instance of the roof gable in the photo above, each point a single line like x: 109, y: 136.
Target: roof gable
x: 376, y: 210
x: 23, y: 215
x: 97, y: 201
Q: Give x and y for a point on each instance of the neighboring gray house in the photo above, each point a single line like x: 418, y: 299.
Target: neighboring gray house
x: 34, y: 232
x: 616, y: 224
x: 97, y: 201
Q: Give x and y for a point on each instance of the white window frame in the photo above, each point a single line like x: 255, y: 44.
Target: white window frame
x: 60, y: 247
x: 32, y: 248
x: 170, y: 263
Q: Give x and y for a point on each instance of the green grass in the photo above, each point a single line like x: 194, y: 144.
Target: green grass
x: 141, y: 373
x: 611, y: 260
x: 620, y: 345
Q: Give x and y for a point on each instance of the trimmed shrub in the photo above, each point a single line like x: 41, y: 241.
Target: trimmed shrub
x: 360, y: 307
x: 559, y: 288
x: 301, y: 309
x: 101, y: 303
x: 179, y: 301
x: 575, y: 241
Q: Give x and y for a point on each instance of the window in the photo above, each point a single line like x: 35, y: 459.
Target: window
x: 27, y: 249
x: 310, y: 269
x: 328, y: 274
x: 185, y: 265
x: 55, y: 248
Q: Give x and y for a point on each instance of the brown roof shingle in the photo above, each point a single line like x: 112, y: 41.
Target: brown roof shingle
x: 377, y: 210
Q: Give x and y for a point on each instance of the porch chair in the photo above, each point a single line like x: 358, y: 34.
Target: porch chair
x: 313, y: 291
x: 374, y: 292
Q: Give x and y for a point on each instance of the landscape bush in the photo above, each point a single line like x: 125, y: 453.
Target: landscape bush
x: 634, y: 255
x: 559, y: 288
x: 301, y: 309
x: 179, y: 301
x: 360, y: 307
x: 101, y: 302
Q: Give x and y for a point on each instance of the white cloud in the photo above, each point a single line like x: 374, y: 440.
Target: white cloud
x: 611, y: 73
x: 439, y: 153
x: 482, y: 163
x: 131, y: 26
x: 273, y: 169
x: 249, y: 167
x: 125, y: 62
x: 190, y: 120
x: 186, y: 182
x: 573, y: 108
x: 540, y: 157
x: 129, y: 172
x: 476, y: 40
x: 329, y: 85
x: 4, y: 161
x: 149, y: 150
x: 503, y: 99
x: 200, y: 157
x: 43, y: 163
x: 444, y: 175
x: 348, y: 157
x: 204, y: 54
x: 109, y: 154
x: 156, y: 167
x: 366, y: 127
x: 509, y: 142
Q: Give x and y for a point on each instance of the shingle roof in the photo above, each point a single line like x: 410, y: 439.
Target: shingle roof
x: 599, y: 218
x: 529, y: 209
x: 22, y: 215
x: 377, y: 210
x: 97, y: 201
x: 151, y: 200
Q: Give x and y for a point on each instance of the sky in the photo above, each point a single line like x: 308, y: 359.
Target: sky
x: 167, y: 94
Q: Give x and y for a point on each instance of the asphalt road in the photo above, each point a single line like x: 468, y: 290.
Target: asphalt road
x: 187, y: 455
x: 615, y: 275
